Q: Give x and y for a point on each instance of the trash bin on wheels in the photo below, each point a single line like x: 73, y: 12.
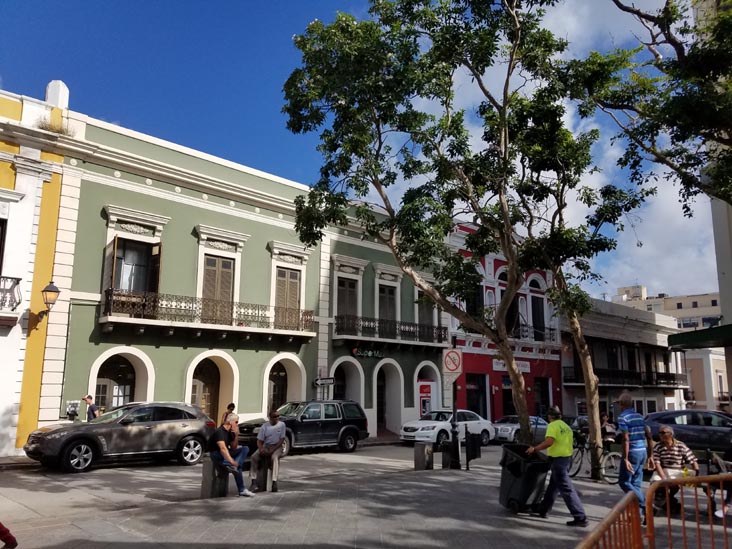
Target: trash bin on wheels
x: 522, y: 477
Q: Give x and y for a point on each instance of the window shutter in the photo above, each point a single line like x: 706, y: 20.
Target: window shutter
x: 156, y: 252
x: 110, y: 264
x: 226, y: 280
x: 281, y: 288
x: 293, y: 290
x: 209, y: 277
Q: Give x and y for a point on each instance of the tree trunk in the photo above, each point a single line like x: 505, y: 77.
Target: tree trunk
x: 518, y: 392
x: 591, y: 394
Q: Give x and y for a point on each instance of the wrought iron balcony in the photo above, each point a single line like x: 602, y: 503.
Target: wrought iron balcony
x: 10, y: 296
x: 605, y: 376
x: 359, y: 326
x: 196, y: 310
x: 724, y: 396
x: 665, y: 379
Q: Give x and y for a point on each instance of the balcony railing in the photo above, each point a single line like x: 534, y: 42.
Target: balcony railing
x: 724, y: 396
x: 527, y: 332
x: 665, y: 378
x: 389, y: 329
x: 10, y: 296
x: 187, y: 309
x: 606, y: 376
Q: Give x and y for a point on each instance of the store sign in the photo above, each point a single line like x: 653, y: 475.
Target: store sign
x: 367, y: 353
x: 522, y: 365
x: 324, y: 381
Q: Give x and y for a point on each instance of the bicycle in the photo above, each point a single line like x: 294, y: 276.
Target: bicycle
x: 610, y: 462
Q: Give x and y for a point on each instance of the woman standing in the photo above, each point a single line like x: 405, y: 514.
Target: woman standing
x: 229, y: 410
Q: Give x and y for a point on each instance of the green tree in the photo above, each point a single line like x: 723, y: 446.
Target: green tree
x: 671, y: 96
x: 382, y: 94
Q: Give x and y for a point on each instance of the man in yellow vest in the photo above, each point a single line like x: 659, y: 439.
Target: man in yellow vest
x: 559, y: 440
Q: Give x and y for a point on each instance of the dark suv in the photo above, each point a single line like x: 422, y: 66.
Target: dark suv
x: 339, y: 423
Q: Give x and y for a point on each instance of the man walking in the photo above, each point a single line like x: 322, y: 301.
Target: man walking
x: 269, y: 443
x: 559, y: 440
x: 92, y: 410
x: 225, y: 451
x: 637, y: 442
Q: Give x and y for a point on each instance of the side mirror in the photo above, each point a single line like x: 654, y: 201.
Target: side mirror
x: 126, y: 420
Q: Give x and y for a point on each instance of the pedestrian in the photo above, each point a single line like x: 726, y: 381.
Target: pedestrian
x: 607, y: 430
x: 226, y: 452
x: 558, y: 442
x: 229, y: 410
x: 270, y: 439
x: 725, y: 466
x: 672, y: 459
x: 636, y: 445
x: 92, y: 410
x: 7, y: 538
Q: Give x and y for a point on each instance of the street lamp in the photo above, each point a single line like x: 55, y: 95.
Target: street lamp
x: 50, y: 295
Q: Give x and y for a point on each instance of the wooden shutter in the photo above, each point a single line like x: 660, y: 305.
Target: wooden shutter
x: 110, y: 264
x: 153, y: 285
x: 293, y: 289
x: 210, y: 276
x: 225, y: 289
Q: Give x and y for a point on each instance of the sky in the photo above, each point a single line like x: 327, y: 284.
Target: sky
x: 209, y: 76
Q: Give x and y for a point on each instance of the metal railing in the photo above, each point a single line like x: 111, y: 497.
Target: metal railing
x: 10, y: 296
x: 621, y: 529
x: 724, y: 396
x: 665, y: 378
x: 389, y: 329
x: 177, y: 308
x: 606, y: 376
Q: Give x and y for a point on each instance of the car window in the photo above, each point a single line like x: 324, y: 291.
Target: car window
x: 311, y: 412
x: 508, y: 419
x: 668, y: 420
x: 352, y: 411
x: 713, y: 420
x: 540, y: 422
x: 462, y: 416
x: 164, y: 413
x: 330, y: 411
x: 141, y: 415
x: 290, y: 409
x: 470, y: 416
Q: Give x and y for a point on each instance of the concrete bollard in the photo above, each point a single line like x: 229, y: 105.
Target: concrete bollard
x: 423, y: 456
x: 214, y: 480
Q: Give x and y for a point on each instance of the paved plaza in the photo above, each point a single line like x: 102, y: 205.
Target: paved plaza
x: 367, y: 499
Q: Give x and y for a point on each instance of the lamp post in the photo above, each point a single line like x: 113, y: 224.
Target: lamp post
x: 455, y: 442
x: 50, y: 295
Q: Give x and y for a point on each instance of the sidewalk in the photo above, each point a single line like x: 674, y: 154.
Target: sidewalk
x: 426, y: 509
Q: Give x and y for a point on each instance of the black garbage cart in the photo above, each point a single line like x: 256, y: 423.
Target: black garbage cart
x: 522, y: 477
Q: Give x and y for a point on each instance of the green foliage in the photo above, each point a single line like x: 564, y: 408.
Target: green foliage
x: 673, y: 110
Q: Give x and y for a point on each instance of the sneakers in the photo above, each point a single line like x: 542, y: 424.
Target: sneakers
x: 274, y: 485
x: 246, y: 494
x: 229, y: 467
x: 719, y: 513
x: 254, y: 486
x: 580, y: 523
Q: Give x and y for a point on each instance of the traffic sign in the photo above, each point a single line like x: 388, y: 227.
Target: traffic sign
x: 452, y: 361
x: 324, y: 381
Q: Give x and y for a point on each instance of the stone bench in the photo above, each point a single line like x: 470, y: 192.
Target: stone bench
x: 214, y: 479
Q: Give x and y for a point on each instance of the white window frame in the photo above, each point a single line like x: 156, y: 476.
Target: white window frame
x: 645, y: 405
x: 388, y: 275
x: 130, y: 224
x: 435, y: 309
x: 214, y: 241
x: 348, y: 267
x: 287, y: 255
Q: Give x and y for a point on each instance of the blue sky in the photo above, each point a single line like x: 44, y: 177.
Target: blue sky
x: 209, y: 75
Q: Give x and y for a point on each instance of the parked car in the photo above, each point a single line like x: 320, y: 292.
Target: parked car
x: 139, y: 429
x: 699, y: 429
x: 339, y: 423
x: 507, y: 428
x: 435, y: 427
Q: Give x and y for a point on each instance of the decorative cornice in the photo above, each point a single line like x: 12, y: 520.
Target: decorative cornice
x: 136, y: 217
x: 280, y: 249
x: 6, y: 195
x: 346, y: 261
x: 388, y: 272
x: 208, y: 233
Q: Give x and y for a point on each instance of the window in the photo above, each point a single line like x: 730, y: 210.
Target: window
x: 3, y: 232
x: 135, y: 266
x: 537, y: 317
x: 631, y: 359
x: 689, y: 322
x: 142, y: 415
x: 347, y: 304
x: 387, y: 311
x: 163, y: 413
x: 710, y: 321
x: 312, y: 412
x: 638, y: 406
x: 694, y: 304
x: 474, y: 303
x: 218, y: 290
x: 679, y: 306
x: 714, y: 302
x: 720, y: 383
x: 650, y: 406
x: 287, y: 299
x: 330, y: 411
x: 352, y: 411
x: 612, y: 356
x: 649, y: 307
x: 425, y: 309
x: 713, y: 420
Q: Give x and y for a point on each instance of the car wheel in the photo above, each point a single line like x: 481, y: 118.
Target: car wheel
x: 77, y: 457
x: 442, y: 436
x: 516, y: 436
x: 190, y: 451
x: 348, y: 441
x: 286, y: 445
x: 485, y: 438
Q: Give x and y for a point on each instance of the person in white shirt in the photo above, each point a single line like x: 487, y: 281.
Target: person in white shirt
x: 269, y: 443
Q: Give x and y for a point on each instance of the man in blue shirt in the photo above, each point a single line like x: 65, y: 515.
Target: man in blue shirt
x: 637, y: 443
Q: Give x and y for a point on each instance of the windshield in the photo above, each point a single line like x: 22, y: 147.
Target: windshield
x: 436, y: 416
x: 112, y: 416
x: 291, y: 408
x: 508, y: 419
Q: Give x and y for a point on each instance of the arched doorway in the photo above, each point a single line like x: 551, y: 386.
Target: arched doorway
x: 205, y: 388
x: 427, y: 393
x: 348, y: 381
x: 277, y: 394
x: 389, y: 393
x: 115, y: 383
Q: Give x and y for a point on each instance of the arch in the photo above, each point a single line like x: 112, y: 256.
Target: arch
x: 144, y: 371
x: 351, y: 376
x: 394, y: 406
x: 229, y: 380
x: 536, y: 282
x: 296, y: 378
x: 502, y: 274
x: 436, y: 377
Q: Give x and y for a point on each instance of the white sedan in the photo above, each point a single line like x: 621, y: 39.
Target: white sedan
x: 435, y: 427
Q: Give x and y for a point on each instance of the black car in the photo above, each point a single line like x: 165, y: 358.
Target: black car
x: 699, y: 429
x: 339, y: 423
x: 139, y: 429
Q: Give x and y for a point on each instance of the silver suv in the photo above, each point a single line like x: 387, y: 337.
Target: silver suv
x: 139, y: 429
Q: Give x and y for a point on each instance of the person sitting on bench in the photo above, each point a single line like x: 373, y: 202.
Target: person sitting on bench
x: 671, y: 458
x: 226, y: 452
x: 269, y: 443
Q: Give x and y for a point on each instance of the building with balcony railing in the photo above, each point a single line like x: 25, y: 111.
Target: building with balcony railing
x: 629, y: 350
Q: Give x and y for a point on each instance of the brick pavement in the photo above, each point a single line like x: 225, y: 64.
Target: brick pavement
x: 426, y: 509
